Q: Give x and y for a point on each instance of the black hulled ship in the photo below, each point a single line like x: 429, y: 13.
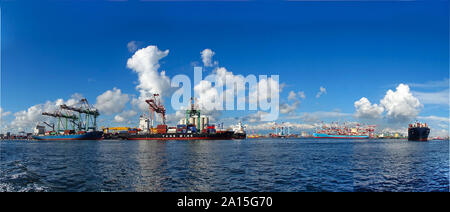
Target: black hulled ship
x: 418, y: 132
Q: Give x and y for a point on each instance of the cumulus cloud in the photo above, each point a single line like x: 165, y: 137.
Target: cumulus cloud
x: 401, y: 105
x: 125, y: 116
x: 322, y: 91
x: 2, y: 113
x: 145, y: 62
x: 132, y: 46
x: 264, y: 89
x: 366, y: 110
x: 207, y: 55
x: 112, y: 101
x: 208, y: 95
x: 289, y: 109
x: 293, y: 96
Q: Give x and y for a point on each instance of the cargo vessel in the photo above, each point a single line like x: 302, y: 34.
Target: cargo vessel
x: 74, y: 122
x: 335, y: 130
x: 94, y: 135
x: 418, y: 132
x: 193, y: 127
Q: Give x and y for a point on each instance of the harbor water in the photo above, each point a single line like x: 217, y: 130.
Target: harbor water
x: 231, y: 165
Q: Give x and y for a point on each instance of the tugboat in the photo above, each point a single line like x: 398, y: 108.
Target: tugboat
x: 239, y: 132
x: 418, y: 132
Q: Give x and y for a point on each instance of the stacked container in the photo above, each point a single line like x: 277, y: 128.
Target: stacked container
x: 161, y: 129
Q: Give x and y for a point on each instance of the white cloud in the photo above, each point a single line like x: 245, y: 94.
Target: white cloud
x: 132, y: 46
x: 3, y: 114
x: 208, y: 96
x: 112, y: 101
x: 431, y: 84
x: 254, y: 117
x: 265, y: 87
x: 401, y: 105
x: 292, y: 96
x: 301, y: 94
x: 366, y: 110
x: 125, y: 116
x: 27, y: 119
x: 289, y: 109
x: 207, y: 55
x: 322, y: 91
x: 440, y: 97
x: 435, y: 118
x: 145, y: 62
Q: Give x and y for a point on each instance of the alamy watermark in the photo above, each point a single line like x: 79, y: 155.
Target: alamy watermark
x: 224, y: 91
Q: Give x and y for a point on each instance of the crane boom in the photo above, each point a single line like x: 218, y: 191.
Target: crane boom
x: 156, y: 106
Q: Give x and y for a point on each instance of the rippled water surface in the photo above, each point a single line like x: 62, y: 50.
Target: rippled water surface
x: 247, y: 165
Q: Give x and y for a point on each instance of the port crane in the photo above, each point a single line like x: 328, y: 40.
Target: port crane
x: 63, y: 119
x: 86, y: 119
x: 156, y: 106
x: 87, y: 115
x: 50, y: 125
x: 281, y: 130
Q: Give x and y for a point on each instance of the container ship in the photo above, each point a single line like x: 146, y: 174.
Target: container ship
x: 193, y: 127
x: 77, y: 122
x: 418, y: 132
x: 336, y: 130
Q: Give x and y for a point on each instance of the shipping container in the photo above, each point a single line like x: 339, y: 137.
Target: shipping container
x: 161, y: 126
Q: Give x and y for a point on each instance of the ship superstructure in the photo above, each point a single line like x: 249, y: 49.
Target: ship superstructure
x: 239, y: 131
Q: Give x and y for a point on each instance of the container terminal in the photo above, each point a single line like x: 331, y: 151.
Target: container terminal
x: 79, y: 122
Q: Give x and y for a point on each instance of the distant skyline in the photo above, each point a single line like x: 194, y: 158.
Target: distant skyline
x: 383, y: 63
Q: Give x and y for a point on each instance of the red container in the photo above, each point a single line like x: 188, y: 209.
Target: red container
x: 161, y: 131
x: 161, y: 126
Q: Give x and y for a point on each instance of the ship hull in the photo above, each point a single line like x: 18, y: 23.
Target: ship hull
x: 323, y: 135
x: 182, y: 136
x: 97, y: 135
x: 418, y: 134
x: 239, y: 136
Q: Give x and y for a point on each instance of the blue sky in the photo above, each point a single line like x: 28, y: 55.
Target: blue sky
x: 52, y: 50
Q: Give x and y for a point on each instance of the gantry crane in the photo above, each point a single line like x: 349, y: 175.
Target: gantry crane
x: 86, y: 122
x: 90, y: 114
